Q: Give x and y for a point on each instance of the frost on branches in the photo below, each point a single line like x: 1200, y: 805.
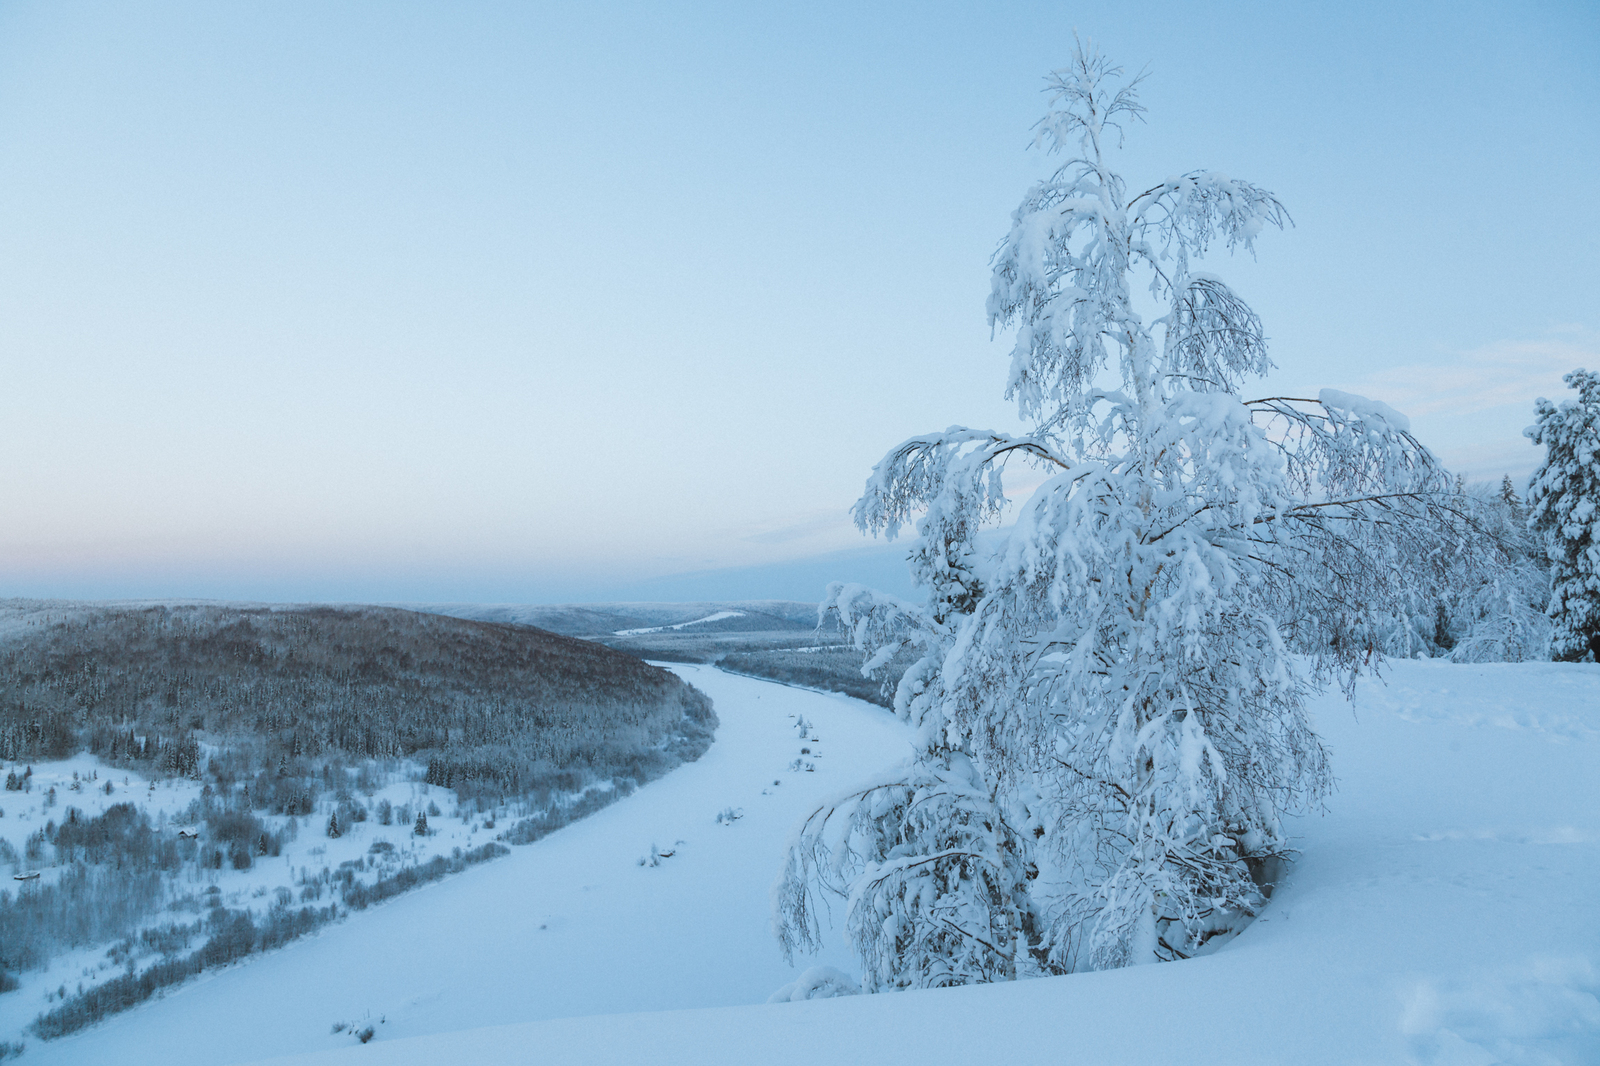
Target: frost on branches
x: 1109, y: 725
x: 1564, y: 509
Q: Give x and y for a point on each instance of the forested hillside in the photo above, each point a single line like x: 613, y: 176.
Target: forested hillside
x: 191, y: 783
x: 497, y: 708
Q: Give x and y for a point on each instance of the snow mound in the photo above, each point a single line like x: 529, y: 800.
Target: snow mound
x: 819, y: 982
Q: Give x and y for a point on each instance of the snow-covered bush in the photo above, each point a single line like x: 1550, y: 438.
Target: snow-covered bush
x: 1564, y: 508
x: 818, y: 982
x: 1110, y: 724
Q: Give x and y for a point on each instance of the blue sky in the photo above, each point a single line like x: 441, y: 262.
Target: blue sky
x: 486, y: 301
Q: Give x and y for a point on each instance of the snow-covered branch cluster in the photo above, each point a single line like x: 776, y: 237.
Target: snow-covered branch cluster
x: 1109, y: 708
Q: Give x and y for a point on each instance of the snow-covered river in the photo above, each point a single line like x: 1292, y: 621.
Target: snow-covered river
x: 570, y: 925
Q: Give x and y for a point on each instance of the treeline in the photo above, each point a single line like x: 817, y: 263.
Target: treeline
x: 233, y: 935
x: 832, y: 669
x: 1496, y: 615
x: 117, y: 869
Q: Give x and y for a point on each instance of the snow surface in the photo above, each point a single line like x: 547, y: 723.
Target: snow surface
x: 1441, y: 912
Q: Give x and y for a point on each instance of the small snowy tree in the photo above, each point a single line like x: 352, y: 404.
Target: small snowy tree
x: 1564, y: 509
x: 1109, y: 725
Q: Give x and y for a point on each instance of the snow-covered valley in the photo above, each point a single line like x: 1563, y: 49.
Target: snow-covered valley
x: 1440, y: 912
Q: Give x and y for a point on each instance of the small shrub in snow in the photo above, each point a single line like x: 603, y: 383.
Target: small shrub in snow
x: 818, y: 982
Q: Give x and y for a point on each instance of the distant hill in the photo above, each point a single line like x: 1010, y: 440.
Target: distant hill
x: 599, y: 620
x: 268, y: 684
x: 694, y: 632
x: 779, y: 640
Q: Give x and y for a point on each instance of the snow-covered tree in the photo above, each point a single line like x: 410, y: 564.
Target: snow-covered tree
x: 1496, y: 613
x: 1110, y: 723
x: 1564, y: 509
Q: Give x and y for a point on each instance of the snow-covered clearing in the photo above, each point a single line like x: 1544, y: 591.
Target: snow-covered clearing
x: 1442, y: 912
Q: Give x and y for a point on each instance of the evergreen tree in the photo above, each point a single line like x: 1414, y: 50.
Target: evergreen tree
x: 1564, y: 509
x: 334, y: 829
x: 1508, y: 496
x: 422, y: 824
x: 1110, y: 726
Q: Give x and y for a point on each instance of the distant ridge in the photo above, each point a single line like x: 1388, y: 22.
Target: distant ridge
x: 597, y: 620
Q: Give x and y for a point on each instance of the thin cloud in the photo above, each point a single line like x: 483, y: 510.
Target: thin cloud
x: 1502, y: 374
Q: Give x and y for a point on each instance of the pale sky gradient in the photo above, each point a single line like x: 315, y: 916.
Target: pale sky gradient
x: 520, y: 302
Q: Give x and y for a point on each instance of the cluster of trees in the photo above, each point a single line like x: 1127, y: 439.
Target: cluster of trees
x: 1110, y: 706
x: 833, y: 669
x: 1541, y: 598
x: 87, y: 904
x: 232, y: 936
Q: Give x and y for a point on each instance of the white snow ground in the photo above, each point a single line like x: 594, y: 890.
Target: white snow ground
x: 1443, y: 912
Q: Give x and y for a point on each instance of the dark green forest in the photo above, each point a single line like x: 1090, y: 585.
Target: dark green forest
x: 496, y: 710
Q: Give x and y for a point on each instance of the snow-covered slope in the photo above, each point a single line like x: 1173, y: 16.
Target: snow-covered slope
x: 1442, y: 912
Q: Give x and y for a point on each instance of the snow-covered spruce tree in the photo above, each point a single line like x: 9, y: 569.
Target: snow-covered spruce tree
x: 1109, y: 721
x: 1564, y: 509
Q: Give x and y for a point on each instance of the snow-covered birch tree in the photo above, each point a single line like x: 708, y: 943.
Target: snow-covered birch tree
x: 1109, y: 711
x: 1564, y: 509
